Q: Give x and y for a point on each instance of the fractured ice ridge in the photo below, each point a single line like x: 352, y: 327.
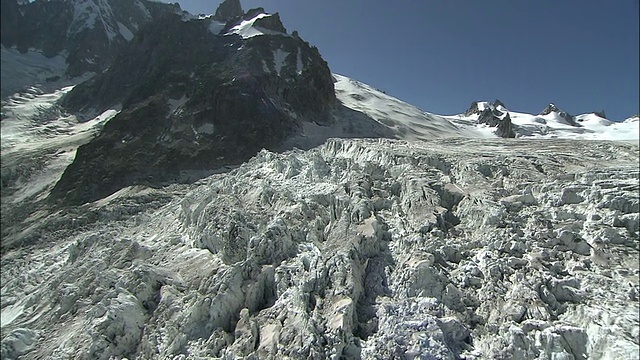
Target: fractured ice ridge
x: 357, y: 249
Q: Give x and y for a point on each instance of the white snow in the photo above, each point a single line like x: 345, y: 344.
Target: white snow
x: 279, y: 58
x: 553, y: 126
x: 246, y: 28
x: 591, y: 127
x: 299, y: 64
x: 37, y: 134
x: 482, y: 105
x: 125, y: 32
x: 10, y: 313
x: 406, y: 121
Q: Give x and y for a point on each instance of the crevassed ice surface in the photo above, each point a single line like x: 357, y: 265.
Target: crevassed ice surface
x: 371, y: 249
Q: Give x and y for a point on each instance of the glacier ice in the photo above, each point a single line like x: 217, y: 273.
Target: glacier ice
x: 372, y: 249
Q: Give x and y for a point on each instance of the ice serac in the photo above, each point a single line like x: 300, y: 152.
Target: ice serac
x: 356, y: 249
x: 194, y: 101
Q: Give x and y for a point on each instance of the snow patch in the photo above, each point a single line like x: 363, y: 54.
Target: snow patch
x: 279, y: 58
x: 125, y: 32
x: 206, y: 128
x: 39, y: 136
x: 299, y: 64
x: 246, y: 28
x: 176, y: 104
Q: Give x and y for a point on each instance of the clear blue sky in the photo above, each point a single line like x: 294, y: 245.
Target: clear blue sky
x: 442, y: 54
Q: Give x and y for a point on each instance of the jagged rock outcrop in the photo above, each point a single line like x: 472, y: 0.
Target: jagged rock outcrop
x: 272, y: 22
x: 490, y: 115
x: 193, y: 100
x: 228, y: 10
x: 570, y: 119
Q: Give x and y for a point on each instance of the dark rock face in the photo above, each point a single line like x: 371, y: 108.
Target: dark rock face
x: 497, y: 103
x: 192, y: 100
x: 493, y: 117
x: 473, y: 109
x: 272, y: 22
x: 91, y: 32
x: 228, y: 10
x: 570, y: 119
x: 600, y: 114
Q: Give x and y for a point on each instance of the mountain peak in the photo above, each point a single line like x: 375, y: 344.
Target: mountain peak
x: 552, y: 108
x: 477, y: 107
x: 228, y: 10
x: 549, y: 109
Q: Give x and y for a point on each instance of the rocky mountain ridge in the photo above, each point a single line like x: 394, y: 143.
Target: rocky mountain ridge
x: 87, y: 33
x: 193, y: 98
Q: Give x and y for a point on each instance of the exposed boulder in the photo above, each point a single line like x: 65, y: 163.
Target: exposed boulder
x: 501, y: 121
x: 473, y: 109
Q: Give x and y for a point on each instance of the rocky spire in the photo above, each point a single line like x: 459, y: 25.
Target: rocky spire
x: 227, y: 10
x: 501, y: 121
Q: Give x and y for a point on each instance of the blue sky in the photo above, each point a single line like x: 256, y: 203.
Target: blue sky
x: 441, y: 55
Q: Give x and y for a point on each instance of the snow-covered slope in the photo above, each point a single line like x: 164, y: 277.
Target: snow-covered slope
x: 20, y: 70
x: 405, y: 121
x: 39, y: 140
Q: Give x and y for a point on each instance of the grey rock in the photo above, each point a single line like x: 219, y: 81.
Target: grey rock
x: 228, y: 10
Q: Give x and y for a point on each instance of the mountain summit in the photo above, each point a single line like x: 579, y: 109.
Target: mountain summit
x: 196, y: 95
x: 228, y: 10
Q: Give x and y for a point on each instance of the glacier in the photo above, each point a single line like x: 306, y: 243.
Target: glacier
x: 370, y: 230
x: 358, y: 248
